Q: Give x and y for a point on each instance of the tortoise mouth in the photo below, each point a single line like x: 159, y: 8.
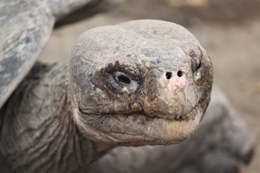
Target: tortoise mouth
x: 140, y: 129
x: 142, y: 114
x: 170, y: 117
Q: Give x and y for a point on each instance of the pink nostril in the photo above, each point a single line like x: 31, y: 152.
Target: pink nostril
x: 168, y: 75
x: 180, y: 73
x: 175, y: 79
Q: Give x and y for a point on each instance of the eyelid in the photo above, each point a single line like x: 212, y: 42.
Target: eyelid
x: 132, y: 86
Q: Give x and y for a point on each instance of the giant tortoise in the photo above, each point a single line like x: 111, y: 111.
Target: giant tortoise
x: 137, y: 84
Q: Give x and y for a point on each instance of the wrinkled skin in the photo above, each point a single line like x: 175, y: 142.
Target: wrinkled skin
x: 219, y: 146
x: 138, y: 83
x: 148, y: 82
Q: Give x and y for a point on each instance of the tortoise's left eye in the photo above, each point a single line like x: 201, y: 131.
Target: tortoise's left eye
x: 196, y: 64
x: 195, y: 61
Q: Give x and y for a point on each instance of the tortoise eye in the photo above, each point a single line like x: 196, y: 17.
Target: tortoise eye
x: 195, y: 61
x: 123, y: 79
x: 196, y: 65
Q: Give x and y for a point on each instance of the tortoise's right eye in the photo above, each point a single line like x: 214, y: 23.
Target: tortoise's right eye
x: 123, y: 79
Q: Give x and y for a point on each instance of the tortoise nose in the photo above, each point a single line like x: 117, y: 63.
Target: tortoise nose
x: 169, y: 74
x: 168, y: 94
x: 175, y: 80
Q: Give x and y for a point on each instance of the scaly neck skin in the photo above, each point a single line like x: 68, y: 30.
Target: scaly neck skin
x: 38, y: 133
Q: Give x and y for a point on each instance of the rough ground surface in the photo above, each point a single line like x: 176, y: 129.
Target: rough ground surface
x: 227, y: 29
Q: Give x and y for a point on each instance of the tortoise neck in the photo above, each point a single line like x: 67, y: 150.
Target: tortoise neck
x: 38, y: 133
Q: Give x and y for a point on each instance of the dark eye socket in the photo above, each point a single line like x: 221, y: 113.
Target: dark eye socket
x: 196, y: 64
x: 196, y: 60
x: 123, y: 79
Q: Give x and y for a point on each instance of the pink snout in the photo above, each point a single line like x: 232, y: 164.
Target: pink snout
x: 175, y: 80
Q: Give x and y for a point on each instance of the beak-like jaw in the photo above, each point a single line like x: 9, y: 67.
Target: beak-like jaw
x: 138, y: 129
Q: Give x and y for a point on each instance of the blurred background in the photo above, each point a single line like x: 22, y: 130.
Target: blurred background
x: 228, y: 29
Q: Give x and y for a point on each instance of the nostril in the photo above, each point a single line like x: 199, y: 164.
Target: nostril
x: 168, y: 75
x: 180, y: 73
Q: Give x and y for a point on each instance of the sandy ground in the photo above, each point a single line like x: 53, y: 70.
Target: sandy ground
x: 229, y: 31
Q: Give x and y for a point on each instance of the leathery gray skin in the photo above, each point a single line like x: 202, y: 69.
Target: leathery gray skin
x: 138, y: 83
x: 25, y: 30
x: 147, y: 82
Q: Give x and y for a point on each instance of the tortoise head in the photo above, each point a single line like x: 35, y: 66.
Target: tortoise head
x: 140, y: 82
